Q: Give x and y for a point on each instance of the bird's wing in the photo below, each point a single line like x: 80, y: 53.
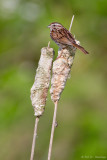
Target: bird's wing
x: 64, y: 36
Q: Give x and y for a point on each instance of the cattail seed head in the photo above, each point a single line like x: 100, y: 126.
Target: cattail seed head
x: 40, y: 87
x: 60, y: 72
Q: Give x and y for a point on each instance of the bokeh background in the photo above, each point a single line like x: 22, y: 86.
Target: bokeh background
x: 82, y: 110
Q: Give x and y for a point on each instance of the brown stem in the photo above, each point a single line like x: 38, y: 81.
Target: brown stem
x: 52, y: 131
x: 34, y: 138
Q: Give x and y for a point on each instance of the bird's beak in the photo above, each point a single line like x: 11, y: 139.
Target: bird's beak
x: 48, y: 26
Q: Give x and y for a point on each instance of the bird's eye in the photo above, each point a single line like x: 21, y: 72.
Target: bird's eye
x: 54, y: 25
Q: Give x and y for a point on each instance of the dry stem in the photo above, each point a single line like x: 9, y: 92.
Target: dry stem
x: 71, y: 23
x: 34, y: 138
x: 52, y: 131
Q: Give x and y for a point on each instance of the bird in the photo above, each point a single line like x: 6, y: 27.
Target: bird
x: 62, y: 37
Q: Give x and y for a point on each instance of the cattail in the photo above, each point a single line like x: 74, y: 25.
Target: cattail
x: 40, y: 88
x: 60, y: 72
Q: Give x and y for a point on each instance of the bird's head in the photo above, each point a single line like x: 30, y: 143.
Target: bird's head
x: 55, y: 25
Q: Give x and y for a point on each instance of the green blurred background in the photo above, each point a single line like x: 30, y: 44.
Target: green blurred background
x: 82, y: 110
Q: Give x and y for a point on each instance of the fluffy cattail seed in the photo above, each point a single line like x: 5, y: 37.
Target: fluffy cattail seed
x: 40, y: 87
x: 61, y: 70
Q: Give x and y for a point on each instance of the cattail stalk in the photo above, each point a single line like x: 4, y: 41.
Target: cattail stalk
x: 52, y: 130
x: 34, y: 138
x: 40, y: 88
x: 60, y: 73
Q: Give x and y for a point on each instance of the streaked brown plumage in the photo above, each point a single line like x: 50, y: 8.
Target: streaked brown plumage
x: 62, y: 37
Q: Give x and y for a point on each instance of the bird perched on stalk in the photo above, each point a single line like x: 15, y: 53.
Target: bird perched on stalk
x: 62, y: 37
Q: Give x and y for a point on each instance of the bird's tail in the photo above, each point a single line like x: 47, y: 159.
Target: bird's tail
x: 80, y: 47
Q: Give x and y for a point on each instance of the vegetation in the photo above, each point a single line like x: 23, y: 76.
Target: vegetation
x: 81, y: 127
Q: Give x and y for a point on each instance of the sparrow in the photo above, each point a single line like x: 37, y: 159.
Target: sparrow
x: 62, y: 37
